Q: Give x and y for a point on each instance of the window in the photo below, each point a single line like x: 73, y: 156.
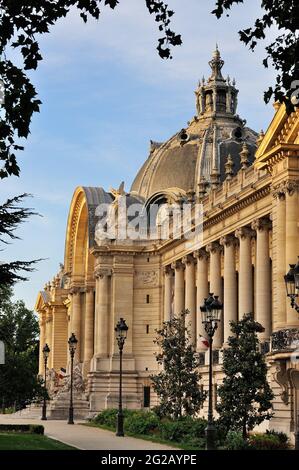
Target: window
x: 147, y: 329
x: 147, y: 298
x: 146, y: 397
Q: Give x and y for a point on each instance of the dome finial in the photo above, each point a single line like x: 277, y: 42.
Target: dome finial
x: 216, y: 65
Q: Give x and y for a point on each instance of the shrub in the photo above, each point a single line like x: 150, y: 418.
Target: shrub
x: 108, y: 417
x: 183, y: 429
x: 283, y: 437
x: 141, y: 422
x: 26, y: 428
x: 36, y: 429
x: 234, y: 441
x: 268, y: 441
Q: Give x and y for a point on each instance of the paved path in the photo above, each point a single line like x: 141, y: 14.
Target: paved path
x: 84, y: 437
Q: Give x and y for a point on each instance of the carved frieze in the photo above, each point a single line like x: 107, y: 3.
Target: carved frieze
x: 147, y: 278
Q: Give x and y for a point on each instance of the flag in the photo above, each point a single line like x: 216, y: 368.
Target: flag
x: 203, y: 342
x: 62, y: 373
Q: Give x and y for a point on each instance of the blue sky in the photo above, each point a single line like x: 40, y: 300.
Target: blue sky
x: 105, y: 94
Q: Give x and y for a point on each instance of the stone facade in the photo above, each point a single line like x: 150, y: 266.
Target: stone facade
x: 248, y: 187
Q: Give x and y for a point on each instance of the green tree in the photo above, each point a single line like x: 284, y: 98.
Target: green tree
x: 19, y: 331
x: 178, y: 384
x: 21, y: 24
x: 11, y: 216
x: 283, y: 52
x: 245, y: 395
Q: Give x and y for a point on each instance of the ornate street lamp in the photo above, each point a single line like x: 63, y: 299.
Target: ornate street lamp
x: 72, y: 342
x: 46, y: 352
x: 211, y: 315
x: 291, y: 280
x: 121, y: 331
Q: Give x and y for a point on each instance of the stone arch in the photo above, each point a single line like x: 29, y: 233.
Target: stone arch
x: 78, y: 260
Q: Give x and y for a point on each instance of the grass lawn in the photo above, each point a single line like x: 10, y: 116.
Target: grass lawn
x: 24, y: 441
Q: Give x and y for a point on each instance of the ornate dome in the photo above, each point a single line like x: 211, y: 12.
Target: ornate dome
x: 199, y: 153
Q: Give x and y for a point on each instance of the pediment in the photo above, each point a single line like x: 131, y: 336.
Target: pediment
x: 41, y: 301
x: 282, y: 135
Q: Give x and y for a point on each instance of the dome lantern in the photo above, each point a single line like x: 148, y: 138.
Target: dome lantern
x: 216, y: 96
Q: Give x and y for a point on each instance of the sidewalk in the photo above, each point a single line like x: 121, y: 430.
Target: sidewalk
x: 84, y: 437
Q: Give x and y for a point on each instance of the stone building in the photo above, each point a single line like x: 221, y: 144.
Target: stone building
x: 247, y: 187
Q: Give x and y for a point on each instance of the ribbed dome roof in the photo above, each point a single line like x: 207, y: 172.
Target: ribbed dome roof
x: 203, y: 147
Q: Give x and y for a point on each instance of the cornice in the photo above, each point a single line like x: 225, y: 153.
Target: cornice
x: 236, y: 207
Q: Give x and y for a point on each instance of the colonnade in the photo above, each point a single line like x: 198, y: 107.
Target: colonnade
x: 229, y: 268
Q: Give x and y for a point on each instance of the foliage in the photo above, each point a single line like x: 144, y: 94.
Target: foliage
x: 28, y: 428
x: 185, y: 430
x: 177, y: 385
x: 19, y: 332
x: 268, y: 441
x: 282, y: 436
x: 141, y: 422
x: 234, y: 441
x: 11, y: 216
x: 21, y: 24
x: 245, y: 395
x: 283, y: 52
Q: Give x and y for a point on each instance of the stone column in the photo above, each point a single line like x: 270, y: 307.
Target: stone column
x: 59, y: 336
x: 216, y: 285
x: 190, y: 295
x: 76, y: 320
x: 279, y: 257
x: 179, y: 287
x: 230, y: 294
x: 102, y: 312
x: 245, y: 235
x: 89, y: 324
x: 49, y: 335
x: 168, y: 280
x: 263, y: 276
x: 42, y: 342
x: 292, y: 240
x: 202, y: 291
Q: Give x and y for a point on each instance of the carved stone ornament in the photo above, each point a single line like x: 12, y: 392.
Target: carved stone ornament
x: 285, y: 187
x: 102, y: 272
x: 79, y: 384
x: 214, y: 247
x: 261, y: 224
x: 280, y: 376
x: 147, y: 278
x: 244, y: 232
x: 228, y: 240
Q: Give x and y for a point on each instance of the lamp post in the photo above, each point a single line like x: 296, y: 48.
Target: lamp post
x: 46, y: 352
x: 291, y: 279
x: 211, y: 314
x: 72, y: 342
x: 121, y: 331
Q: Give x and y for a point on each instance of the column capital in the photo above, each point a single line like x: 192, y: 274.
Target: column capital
x: 75, y: 290
x: 228, y: 240
x: 102, y: 272
x: 289, y: 187
x: 244, y: 232
x: 177, y: 265
x: 189, y: 259
x: 214, y: 247
x: 89, y: 289
x: 168, y: 271
x: 201, y: 254
x: 259, y: 225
